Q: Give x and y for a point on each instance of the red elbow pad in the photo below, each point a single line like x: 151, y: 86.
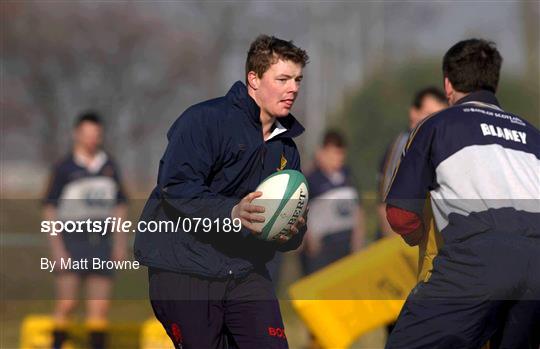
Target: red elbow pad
x: 402, y: 221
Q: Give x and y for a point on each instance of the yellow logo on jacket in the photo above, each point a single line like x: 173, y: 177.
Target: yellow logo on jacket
x: 282, y: 163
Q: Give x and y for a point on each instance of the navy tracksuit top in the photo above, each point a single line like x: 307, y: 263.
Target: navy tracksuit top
x: 215, y: 156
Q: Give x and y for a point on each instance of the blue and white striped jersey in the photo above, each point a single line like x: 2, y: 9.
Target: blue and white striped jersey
x: 81, y: 192
x: 334, y: 200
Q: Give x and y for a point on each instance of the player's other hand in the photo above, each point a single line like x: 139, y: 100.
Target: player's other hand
x: 299, y: 224
x: 247, y: 212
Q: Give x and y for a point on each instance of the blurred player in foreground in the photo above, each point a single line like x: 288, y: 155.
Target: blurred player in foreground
x: 478, y: 164
x: 85, y: 185
x: 211, y: 289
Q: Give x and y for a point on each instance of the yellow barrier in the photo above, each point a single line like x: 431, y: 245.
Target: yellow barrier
x: 358, y: 293
x: 153, y: 336
x: 36, y: 333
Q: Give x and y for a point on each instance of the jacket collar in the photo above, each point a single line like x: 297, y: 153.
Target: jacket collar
x: 482, y: 96
x: 239, y: 96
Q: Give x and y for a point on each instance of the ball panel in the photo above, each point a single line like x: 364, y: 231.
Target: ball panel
x: 292, y: 209
x: 281, y: 194
x: 273, y: 189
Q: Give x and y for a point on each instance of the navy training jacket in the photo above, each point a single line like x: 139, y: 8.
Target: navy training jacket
x: 215, y: 156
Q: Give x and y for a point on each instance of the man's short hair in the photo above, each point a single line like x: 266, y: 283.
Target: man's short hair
x: 473, y: 65
x: 335, y: 138
x: 88, y: 116
x: 267, y: 50
x: 430, y: 91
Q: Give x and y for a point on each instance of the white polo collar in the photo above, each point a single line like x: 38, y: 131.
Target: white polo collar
x: 97, y: 162
x: 278, y: 129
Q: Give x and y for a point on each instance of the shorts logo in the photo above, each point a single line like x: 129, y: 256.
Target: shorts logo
x: 177, y: 334
x: 276, y: 332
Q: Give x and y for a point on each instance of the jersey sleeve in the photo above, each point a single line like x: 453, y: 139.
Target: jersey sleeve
x: 381, y: 178
x: 121, y: 196
x: 402, y: 221
x: 186, y: 168
x: 415, y: 174
x: 313, y: 183
x: 55, y: 186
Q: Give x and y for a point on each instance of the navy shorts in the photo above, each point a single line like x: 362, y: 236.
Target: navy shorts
x: 89, y: 245
x: 480, y: 289
x: 521, y: 327
x: 203, y: 313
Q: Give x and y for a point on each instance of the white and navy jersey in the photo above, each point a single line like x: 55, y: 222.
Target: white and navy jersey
x: 480, y: 166
x: 80, y: 192
x: 332, y: 204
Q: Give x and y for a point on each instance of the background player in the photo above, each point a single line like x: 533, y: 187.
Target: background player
x: 425, y: 102
x: 85, y: 184
x: 337, y: 218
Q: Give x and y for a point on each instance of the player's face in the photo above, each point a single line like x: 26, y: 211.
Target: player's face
x: 429, y: 106
x: 332, y: 158
x: 278, y: 88
x: 89, y: 136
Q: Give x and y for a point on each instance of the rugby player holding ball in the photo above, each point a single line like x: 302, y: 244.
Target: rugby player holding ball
x: 211, y: 288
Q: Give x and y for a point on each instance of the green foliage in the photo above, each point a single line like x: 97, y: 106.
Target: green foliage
x: 374, y: 114
x: 521, y: 97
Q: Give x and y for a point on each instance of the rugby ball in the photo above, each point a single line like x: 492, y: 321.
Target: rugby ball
x: 284, y: 197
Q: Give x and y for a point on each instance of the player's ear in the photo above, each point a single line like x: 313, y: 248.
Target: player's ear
x: 448, y: 88
x: 253, y: 80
